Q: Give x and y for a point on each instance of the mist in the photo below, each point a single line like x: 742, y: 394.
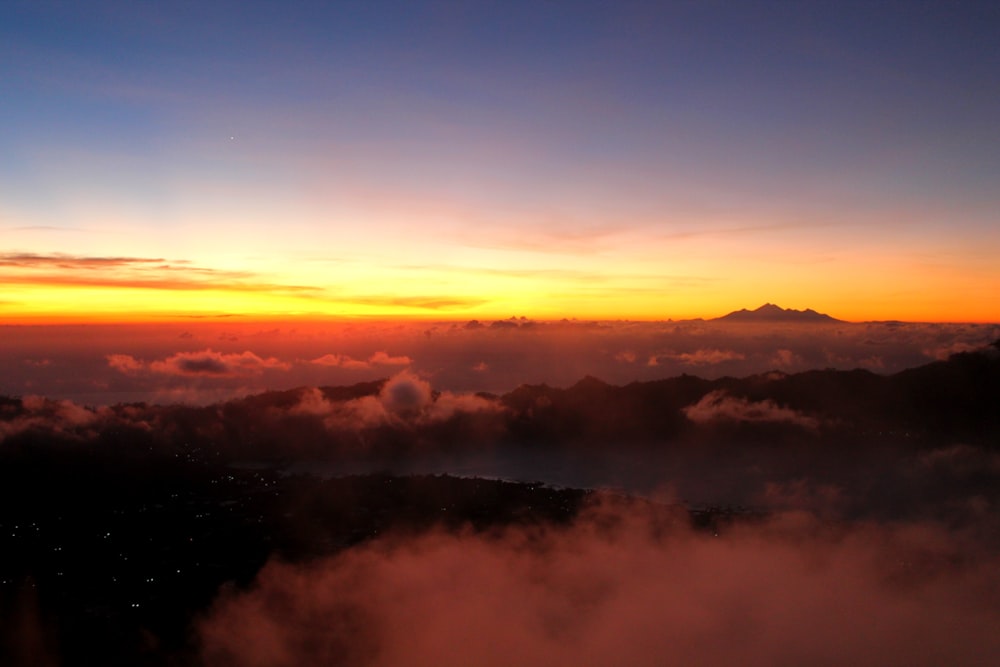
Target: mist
x: 628, y: 582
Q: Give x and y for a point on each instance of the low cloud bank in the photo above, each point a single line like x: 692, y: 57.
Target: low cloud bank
x: 704, y: 357
x: 628, y: 583
x: 61, y: 417
x: 720, y: 406
x: 404, y: 400
x: 381, y: 358
x: 207, y: 363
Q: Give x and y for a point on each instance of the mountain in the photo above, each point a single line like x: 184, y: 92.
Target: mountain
x: 772, y: 313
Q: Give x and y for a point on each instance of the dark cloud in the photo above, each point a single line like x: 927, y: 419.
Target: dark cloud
x: 406, y: 394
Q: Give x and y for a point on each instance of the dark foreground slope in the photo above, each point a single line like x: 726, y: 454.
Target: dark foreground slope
x: 109, y: 561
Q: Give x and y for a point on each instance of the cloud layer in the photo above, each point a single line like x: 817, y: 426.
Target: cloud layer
x: 720, y: 406
x: 626, y: 584
x: 207, y: 363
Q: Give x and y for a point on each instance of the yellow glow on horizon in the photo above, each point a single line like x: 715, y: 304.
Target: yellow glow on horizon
x: 78, y: 304
x: 658, y: 280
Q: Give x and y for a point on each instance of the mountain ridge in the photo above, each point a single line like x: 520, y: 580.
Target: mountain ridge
x: 770, y: 312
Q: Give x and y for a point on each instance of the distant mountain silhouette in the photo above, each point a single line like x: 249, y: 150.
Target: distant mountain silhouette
x: 772, y: 313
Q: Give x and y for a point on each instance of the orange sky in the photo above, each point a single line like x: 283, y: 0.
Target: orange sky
x: 415, y: 161
x: 615, y: 283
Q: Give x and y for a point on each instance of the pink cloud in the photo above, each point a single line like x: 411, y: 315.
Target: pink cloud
x: 56, y: 416
x: 380, y: 358
x: 341, y: 360
x: 704, y: 357
x: 626, y: 584
x: 719, y: 405
x: 405, y: 400
x: 216, y: 364
x: 125, y: 363
x: 206, y: 363
x: 785, y: 358
x: 384, y: 359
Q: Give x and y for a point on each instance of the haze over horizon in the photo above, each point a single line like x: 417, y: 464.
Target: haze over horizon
x: 436, y: 161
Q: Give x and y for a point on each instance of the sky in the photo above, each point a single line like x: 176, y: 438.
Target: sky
x: 450, y: 161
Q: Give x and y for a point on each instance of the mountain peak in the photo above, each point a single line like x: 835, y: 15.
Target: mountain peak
x: 769, y: 312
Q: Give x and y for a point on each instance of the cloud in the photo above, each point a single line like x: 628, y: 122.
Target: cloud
x: 125, y: 363
x: 53, y: 416
x: 418, y: 302
x: 719, y: 405
x: 404, y: 401
x: 64, y: 261
x: 380, y: 358
x: 341, y: 360
x: 785, y: 358
x: 129, y: 272
x: 626, y: 584
x: 705, y: 357
x: 384, y: 359
x: 942, y: 352
x: 208, y: 362
x: 406, y: 394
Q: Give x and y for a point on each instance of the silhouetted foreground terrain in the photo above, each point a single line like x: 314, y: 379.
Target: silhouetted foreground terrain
x: 175, y: 535
x: 108, y: 560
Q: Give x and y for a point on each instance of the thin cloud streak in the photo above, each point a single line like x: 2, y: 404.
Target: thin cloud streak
x: 157, y: 273
x: 129, y: 272
x: 204, y: 363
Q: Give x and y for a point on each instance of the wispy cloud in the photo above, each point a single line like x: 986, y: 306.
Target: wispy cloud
x: 204, y: 363
x: 43, y: 228
x: 63, y: 261
x: 380, y: 358
x: 720, y: 406
x: 421, y: 302
x: 705, y: 357
x: 129, y: 272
